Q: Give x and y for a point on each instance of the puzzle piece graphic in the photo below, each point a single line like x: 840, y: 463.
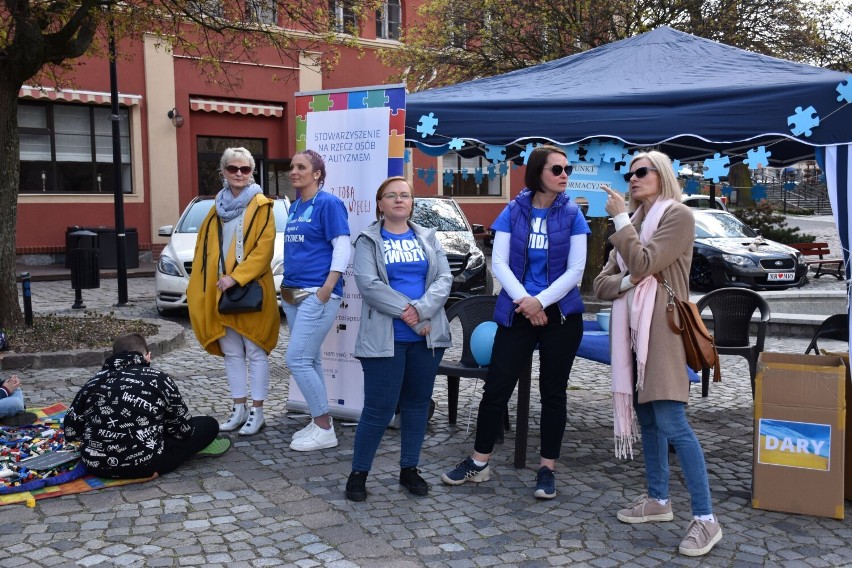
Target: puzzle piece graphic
x: 396, y: 98
x: 625, y: 167
x: 596, y: 198
x: 503, y: 168
x: 358, y: 99
x: 448, y: 177
x: 397, y: 121
x: 572, y: 152
x: 377, y: 99
x: 396, y: 166
x: 803, y: 120
x: 758, y: 192
x: 845, y: 90
x: 594, y: 152
x: 321, y: 103
x: 303, y: 106
x: 495, y: 153
x: 478, y: 175
x: 396, y: 146
x: 427, y: 124
x: 757, y: 157
x: 301, y: 133
x: 429, y: 176
x: 612, y: 151
x: 464, y: 174
x: 456, y: 144
x: 492, y: 170
x: 691, y: 187
x: 716, y: 167
x: 421, y: 173
x: 525, y: 154
x: 727, y: 190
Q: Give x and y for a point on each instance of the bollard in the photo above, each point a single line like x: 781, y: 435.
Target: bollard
x: 28, y: 298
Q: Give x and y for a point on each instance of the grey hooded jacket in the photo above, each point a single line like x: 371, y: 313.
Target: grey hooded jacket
x: 381, y: 303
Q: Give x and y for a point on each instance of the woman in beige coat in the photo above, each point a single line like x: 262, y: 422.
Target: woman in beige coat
x: 654, y: 388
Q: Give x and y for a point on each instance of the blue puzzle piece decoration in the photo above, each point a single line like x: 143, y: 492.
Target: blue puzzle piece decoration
x: 357, y: 99
x: 612, y: 151
x: 456, y: 144
x: 789, y: 186
x: 593, y: 152
x: 478, y: 175
x: 691, y: 187
x: 427, y: 124
x: 716, y: 167
x: 572, y: 152
x: 625, y: 167
x: 421, y: 173
x: 464, y: 174
x: 448, y: 177
x: 527, y: 151
x: 586, y: 180
x: 495, y: 153
x: 803, y: 121
x: 407, y: 155
x: 492, y: 170
x: 845, y: 90
x: 676, y: 167
x: 503, y: 168
x: 757, y: 157
x: 727, y: 190
x: 396, y: 98
x: 429, y: 176
x: 758, y: 192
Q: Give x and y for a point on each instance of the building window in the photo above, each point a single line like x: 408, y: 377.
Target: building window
x: 209, y: 152
x: 67, y: 148
x: 342, y: 17
x: 465, y: 176
x: 261, y: 12
x: 389, y: 20
x: 206, y: 8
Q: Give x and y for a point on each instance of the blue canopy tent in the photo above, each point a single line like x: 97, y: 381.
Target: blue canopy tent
x: 690, y: 96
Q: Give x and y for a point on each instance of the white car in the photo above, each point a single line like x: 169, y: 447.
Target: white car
x: 172, y: 276
x: 703, y: 202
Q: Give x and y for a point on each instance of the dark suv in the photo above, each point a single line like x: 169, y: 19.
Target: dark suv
x: 467, y: 262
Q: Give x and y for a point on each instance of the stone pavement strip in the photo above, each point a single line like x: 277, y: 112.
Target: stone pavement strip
x: 262, y: 504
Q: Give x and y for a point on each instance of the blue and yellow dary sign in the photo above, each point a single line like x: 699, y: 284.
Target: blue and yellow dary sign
x: 795, y: 444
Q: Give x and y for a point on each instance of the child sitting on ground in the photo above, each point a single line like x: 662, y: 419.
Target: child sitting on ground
x: 12, y: 411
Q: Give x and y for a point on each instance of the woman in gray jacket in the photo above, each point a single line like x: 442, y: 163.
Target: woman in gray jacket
x: 404, y: 279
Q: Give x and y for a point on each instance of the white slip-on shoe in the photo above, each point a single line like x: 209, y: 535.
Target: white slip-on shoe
x: 317, y: 439
x: 254, y: 423
x: 238, y: 417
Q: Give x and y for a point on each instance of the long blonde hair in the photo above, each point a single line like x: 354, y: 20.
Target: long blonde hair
x: 669, y: 187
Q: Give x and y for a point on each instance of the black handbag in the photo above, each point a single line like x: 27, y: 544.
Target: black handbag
x: 239, y: 299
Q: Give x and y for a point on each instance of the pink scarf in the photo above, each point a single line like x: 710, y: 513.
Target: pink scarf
x: 629, y: 332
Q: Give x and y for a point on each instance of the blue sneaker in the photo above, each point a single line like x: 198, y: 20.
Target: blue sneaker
x: 467, y: 471
x: 545, y: 483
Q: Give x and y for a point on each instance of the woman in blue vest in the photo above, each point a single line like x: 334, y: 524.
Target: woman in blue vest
x: 539, y: 256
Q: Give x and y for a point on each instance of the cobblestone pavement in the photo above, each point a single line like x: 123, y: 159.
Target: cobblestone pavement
x: 262, y: 504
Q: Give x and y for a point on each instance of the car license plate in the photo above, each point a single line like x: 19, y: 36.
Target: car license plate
x: 781, y: 276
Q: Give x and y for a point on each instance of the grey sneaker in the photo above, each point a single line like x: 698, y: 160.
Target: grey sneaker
x: 645, y: 510
x: 701, y: 536
x: 467, y: 471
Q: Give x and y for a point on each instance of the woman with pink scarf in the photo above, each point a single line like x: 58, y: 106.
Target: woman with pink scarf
x: 649, y: 381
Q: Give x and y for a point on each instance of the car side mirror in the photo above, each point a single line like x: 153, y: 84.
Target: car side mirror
x: 166, y: 230
x: 478, y: 229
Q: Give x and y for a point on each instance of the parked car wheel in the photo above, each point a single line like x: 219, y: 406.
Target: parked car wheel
x: 701, y: 275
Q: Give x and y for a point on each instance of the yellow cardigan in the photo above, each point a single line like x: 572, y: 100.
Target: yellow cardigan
x: 203, y: 295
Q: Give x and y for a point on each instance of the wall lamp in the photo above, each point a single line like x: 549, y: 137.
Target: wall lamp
x: 176, y: 117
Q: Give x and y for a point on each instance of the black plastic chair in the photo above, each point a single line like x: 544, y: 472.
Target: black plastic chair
x: 732, y: 309
x: 471, y: 312
x: 833, y: 327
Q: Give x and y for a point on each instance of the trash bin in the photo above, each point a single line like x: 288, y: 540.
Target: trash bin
x: 82, y: 258
x: 107, y: 251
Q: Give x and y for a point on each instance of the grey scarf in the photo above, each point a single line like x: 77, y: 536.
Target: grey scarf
x: 229, y: 207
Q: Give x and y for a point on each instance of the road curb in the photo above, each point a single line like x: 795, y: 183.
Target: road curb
x: 170, y: 336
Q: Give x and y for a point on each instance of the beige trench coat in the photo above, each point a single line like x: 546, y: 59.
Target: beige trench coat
x: 670, y: 253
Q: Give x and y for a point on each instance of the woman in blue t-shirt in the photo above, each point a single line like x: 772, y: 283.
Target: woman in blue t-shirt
x: 404, y: 279
x: 539, y: 255
x: 316, y: 252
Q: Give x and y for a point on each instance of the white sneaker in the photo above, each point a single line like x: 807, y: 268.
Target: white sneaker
x: 311, y: 425
x: 239, y: 414
x: 254, y: 423
x: 317, y: 439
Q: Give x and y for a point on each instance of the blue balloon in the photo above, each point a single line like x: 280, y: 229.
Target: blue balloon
x: 482, y: 341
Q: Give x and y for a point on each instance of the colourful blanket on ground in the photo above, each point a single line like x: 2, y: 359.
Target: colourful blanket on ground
x: 68, y: 480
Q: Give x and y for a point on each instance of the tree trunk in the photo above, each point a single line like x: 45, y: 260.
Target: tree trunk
x: 739, y: 177
x: 596, y: 253
x: 10, y: 310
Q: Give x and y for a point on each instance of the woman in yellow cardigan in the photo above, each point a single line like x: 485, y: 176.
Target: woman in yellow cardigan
x: 242, y: 219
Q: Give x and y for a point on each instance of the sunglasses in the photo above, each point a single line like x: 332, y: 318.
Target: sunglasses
x: 639, y: 172
x: 245, y: 170
x: 557, y: 170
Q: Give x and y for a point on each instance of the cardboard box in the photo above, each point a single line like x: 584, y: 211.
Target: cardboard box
x: 848, y: 470
x: 800, y: 434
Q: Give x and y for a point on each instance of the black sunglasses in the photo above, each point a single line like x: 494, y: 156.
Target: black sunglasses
x: 557, y: 170
x: 245, y: 170
x: 639, y: 172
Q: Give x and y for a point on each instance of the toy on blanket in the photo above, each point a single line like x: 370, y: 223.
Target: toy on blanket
x: 32, y: 453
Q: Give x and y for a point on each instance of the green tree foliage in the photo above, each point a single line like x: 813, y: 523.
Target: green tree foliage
x: 771, y: 224
x: 459, y: 41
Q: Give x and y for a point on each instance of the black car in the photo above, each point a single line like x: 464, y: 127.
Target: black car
x: 471, y: 275
x: 729, y: 253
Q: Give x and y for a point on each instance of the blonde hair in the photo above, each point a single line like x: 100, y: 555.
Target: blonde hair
x: 669, y: 187
x: 380, y: 193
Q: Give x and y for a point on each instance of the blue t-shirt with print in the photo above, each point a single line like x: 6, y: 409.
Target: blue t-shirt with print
x: 407, y: 267
x: 311, y: 226
x: 535, y: 278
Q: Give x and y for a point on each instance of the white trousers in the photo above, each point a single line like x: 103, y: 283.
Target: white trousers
x: 244, y: 359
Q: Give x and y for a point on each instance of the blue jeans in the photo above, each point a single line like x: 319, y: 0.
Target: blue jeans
x: 309, y: 323
x: 662, y: 422
x: 407, y: 378
x: 12, y: 404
